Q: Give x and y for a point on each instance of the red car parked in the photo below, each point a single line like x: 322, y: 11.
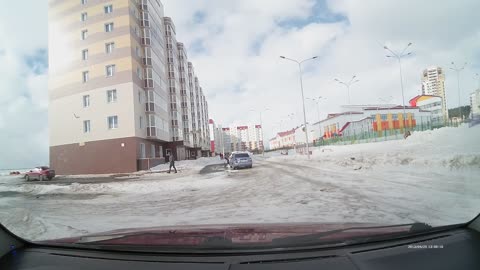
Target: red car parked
x: 40, y: 173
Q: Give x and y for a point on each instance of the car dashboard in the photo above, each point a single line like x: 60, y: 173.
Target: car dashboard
x: 455, y: 249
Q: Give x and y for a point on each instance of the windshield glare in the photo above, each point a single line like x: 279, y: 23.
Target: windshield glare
x: 230, y: 123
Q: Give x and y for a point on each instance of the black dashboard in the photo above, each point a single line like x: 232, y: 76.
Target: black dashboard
x: 454, y: 249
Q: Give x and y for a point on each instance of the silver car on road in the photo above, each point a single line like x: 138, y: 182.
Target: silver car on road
x: 240, y: 160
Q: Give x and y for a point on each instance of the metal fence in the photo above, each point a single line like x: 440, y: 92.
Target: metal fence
x: 367, y: 136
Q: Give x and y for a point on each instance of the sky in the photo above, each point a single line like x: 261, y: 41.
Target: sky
x: 235, y: 48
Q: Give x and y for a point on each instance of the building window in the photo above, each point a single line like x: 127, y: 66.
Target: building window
x: 85, y: 76
x: 110, y: 70
x: 137, y: 51
x: 85, y: 55
x: 86, y: 126
x: 108, y: 27
x: 109, y: 47
x: 84, y: 34
x: 108, y: 9
x: 139, y: 97
x: 86, y: 101
x: 139, y: 72
x: 142, y: 150
x: 112, y: 122
x: 83, y: 16
x: 84, y: 2
x: 152, y: 151
x: 141, y: 122
x: 111, y: 96
x: 160, y: 151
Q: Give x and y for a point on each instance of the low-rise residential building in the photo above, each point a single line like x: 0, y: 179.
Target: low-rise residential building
x: 383, y: 119
x: 284, y: 139
x: 431, y: 103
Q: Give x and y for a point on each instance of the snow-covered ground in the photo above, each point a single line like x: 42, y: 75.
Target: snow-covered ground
x: 433, y: 177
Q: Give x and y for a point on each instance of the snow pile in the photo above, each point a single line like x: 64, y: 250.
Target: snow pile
x: 127, y: 187
x: 452, y: 148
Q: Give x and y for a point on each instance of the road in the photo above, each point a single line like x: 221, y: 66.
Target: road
x: 274, y: 190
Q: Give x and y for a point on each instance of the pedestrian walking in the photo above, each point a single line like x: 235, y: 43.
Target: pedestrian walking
x: 226, y: 158
x: 172, y: 164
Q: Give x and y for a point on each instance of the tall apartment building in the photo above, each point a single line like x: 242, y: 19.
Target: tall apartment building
x: 433, y: 83
x: 475, y: 104
x: 211, y: 128
x: 118, y: 88
x: 238, y: 138
x: 222, y: 140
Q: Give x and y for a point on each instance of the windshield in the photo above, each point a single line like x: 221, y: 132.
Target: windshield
x: 249, y: 121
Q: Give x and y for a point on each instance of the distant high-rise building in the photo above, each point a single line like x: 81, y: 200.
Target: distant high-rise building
x: 433, y: 83
x: 475, y: 104
x: 238, y: 138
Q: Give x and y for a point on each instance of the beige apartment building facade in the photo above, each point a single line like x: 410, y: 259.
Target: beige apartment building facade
x: 111, y: 108
x: 433, y: 83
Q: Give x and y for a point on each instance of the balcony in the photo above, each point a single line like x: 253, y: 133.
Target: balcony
x: 146, y: 41
x: 148, y: 83
x: 150, y: 107
x: 152, y: 132
x: 145, y: 23
x: 147, y: 61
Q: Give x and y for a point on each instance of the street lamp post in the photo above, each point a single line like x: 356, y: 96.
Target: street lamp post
x: 458, y: 70
x: 399, y: 56
x: 303, y: 98
x: 348, y: 84
x: 317, y: 101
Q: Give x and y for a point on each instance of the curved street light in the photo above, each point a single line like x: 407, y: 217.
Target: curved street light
x: 303, y: 98
x: 399, y: 57
x: 348, y: 84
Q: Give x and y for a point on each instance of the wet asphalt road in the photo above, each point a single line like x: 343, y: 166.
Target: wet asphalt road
x: 214, y: 168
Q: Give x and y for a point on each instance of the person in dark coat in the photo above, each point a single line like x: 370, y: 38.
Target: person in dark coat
x: 226, y: 158
x: 172, y: 164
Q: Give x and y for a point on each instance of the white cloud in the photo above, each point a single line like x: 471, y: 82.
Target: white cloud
x: 441, y: 32
x: 23, y: 106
